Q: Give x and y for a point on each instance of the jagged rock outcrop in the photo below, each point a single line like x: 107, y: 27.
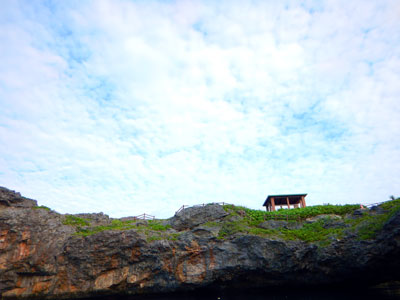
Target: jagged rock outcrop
x: 10, y: 198
x: 42, y: 258
x: 194, y: 216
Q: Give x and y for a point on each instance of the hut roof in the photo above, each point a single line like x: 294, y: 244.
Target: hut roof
x: 283, y: 197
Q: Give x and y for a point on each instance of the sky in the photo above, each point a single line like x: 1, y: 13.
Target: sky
x: 131, y: 107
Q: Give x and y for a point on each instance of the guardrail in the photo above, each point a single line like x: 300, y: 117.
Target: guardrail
x: 144, y: 217
x: 266, y: 217
x: 183, y: 207
x: 375, y: 204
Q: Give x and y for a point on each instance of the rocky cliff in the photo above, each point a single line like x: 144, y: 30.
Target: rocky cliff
x: 48, y: 255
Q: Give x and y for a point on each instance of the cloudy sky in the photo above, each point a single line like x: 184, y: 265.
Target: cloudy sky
x: 129, y: 107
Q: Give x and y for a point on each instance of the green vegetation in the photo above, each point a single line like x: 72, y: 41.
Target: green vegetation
x: 154, y: 238
x: 75, y: 221
x: 115, y: 225
x: 314, y: 232
x: 153, y: 229
x: 42, y: 207
x: 369, y: 224
x: 292, y: 214
x: 157, y: 226
x: 173, y: 236
x: 336, y: 222
x: 308, y: 232
x: 366, y: 225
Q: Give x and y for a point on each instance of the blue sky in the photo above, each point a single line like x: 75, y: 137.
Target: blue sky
x: 128, y: 107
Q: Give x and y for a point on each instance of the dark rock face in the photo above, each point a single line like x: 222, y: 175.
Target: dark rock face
x: 42, y: 258
x: 11, y: 198
x: 194, y: 216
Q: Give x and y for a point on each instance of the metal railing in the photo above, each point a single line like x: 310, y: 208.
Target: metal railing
x: 144, y: 217
x: 266, y: 217
x: 375, y: 204
x: 183, y: 207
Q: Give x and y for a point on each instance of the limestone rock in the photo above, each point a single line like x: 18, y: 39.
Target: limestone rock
x: 96, y: 219
x: 42, y: 258
x: 194, y: 216
x: 12, y: 199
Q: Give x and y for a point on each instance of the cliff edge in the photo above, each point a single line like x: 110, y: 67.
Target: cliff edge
x: 47, y: 255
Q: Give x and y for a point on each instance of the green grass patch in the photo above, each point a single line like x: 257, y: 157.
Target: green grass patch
x: 173, y: 236
x: 309, y: 232
x: 75, y: 221
x: 212, y: 224
x: 369, y: 225
x: 157, y: 225
x: 366, y: 225
x: 313, y: 232
x: 154, y: 229
x: 291, y: 214
x: 230, y: 228
x: 42, y: 207
x: 154, y: 238
x: 115, y: 225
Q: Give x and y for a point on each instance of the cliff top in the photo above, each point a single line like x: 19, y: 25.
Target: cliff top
x: 322, y: 224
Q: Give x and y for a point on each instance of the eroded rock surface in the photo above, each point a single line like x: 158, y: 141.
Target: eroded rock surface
x: 42, y: 258
x: 194, y: 216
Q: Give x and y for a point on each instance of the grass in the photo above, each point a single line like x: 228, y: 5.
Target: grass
x: 309, y: 232
x: 156, y: 225
x: 75, y: 221
x: 42, y: 207
x: 292, y: 214
x: 115, y: 225
x: 313, y: 232
x: 212, y: 224
x: 242, y: 220
x: 369, y: 225
x: 154, y: 230
x: 365, y: 226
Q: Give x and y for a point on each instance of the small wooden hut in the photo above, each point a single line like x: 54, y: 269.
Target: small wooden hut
x: 296, y: 200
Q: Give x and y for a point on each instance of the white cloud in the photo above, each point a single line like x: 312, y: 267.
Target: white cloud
x: 131, y: 107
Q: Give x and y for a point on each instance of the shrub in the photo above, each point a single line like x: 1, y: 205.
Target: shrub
x: 366, y: 226
x: 157, y: 226
x: 75, y: 221
x: 292, y: 214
